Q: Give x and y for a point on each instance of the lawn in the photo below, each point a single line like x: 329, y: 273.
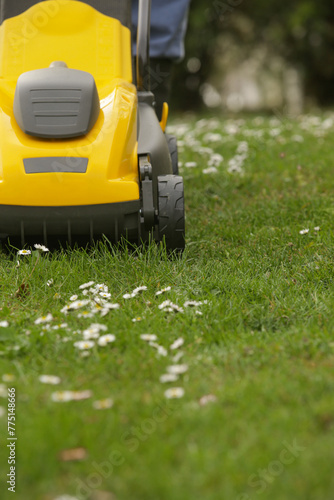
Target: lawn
x: 223, y: 393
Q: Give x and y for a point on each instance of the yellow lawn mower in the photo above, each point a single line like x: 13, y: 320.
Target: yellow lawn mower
x: 83, y: 154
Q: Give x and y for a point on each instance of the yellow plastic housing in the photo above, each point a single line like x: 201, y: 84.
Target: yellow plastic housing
x: 73, y: 32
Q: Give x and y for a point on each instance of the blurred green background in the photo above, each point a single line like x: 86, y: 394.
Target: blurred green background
x: 255, y: 55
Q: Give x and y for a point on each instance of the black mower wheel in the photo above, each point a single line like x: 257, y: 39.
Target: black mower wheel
x: 172, y: 146
x: 171, y: 212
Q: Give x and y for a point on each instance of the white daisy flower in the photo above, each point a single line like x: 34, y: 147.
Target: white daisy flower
x: 104, y: 312
x: 168, y: 377
x: 304, y: 231
x: 129, y: 296
x: 8, y: 377
x: 174, y: 393
x: 210, y: 170
x: 4, y: 324
x: 3, y: 391
x: 84, y: 344
x: 100, y: 301
x: 209, y: 398
x: 177, y: 369
x: 86, y: 314
x: 102, y: 288
x: 86, y: 285
x: 105, y: 295
x: 65, y: 309
x: 136, y: 320
x: 84, y: 354
x: 205, y: 150
x: 194, y: 303
x: 99, y: 327
x: 211, y: 137
x: 106, y: 339
x: 103, y: 404
x: 73, y: 298
x: 41, y: 248
x: 166, y: 303
x: 14, y: 348
x: 190, y: 164
x: 297, y: 138
x: 164, y: 290
x: 108, y: 307
x: 177, y: 357
x: 168, y: 306
x: 62, y: 396
x: 160, y: 349
x: 317, y: 228
x: 178, y: 343
x: 78, y: 304
x: 90, y: 333
x: 24, y: 252
x: 275, y: 132
x: 49, y: 379
x: 242, y: 147
x: 235, y: 166
x: 175, y: 308
x: 96, y: 308
x: 49, y: 282
x: 148, y: 337
x: 90, y: 291
x: 111, y: 306
x: 215, y: 160
x: 199, y: 313
x: 139, y: 289
x: 79, y: 395
x: 44, y: 319
x: 60, y: 326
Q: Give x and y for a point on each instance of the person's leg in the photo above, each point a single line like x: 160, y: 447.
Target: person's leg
x: 168, y: 28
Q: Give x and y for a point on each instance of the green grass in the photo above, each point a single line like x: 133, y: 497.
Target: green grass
x: 263, y: 345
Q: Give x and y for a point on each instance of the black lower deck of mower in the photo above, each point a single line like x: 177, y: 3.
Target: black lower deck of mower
x: 30, y: 225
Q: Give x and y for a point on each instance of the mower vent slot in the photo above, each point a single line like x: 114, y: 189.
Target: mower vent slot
x: 56, y: 164
x: 55, y: 107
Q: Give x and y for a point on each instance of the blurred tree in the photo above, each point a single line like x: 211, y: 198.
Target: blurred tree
x: 301, y: 31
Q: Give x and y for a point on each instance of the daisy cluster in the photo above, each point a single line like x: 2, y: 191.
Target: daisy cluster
x: 40, y: 248
x: 94, y: 299
x: 205, y: 138
x: 174, y: 371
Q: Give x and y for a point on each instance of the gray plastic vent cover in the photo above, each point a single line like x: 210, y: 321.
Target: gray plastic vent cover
x: 56, y: 102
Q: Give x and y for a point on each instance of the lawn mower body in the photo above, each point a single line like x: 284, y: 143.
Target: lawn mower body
x: 82, y: 152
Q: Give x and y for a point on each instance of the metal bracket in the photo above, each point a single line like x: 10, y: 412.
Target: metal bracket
x: 147, y: 211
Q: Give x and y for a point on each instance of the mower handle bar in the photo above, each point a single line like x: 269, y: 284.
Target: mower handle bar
x: 143, y: 43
